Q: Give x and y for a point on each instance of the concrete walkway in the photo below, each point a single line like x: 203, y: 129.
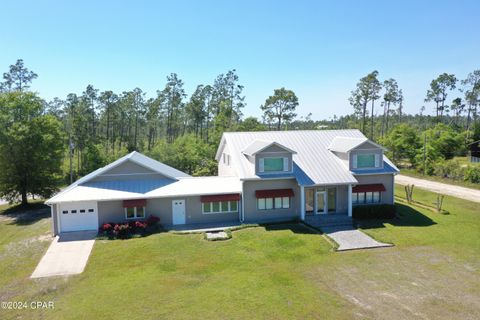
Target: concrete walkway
x: 67, y: 255
x: 442, y: 188
x: 349, y: 238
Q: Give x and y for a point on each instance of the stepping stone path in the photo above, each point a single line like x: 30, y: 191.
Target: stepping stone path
x: 222, y: 235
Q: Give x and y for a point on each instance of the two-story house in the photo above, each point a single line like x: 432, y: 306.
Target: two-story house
x: 262, y: 176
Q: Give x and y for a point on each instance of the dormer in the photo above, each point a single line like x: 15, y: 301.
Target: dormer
x: 269, y: 157
x: 358, y: 153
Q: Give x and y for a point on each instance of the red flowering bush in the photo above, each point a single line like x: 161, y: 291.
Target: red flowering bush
x: 106, y: 227
x: 130, y: 228
x: 122, y: 230
x: 140, y: 225
x: 152, y: 220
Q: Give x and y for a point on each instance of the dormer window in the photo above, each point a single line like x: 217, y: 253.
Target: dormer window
x: 273, y: 164
x: 366, y: 160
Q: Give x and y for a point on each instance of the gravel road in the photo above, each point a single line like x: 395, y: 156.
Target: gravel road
x: 443, y: 188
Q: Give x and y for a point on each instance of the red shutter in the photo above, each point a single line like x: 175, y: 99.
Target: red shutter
x: 369, y: 188
x: 274, y: 193
x: 220, y: 197
x: 134, y: 203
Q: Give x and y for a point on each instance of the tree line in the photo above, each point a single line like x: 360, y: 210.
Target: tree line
x: 44, y: 144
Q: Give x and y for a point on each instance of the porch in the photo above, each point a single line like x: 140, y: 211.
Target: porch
x: 329, y: 220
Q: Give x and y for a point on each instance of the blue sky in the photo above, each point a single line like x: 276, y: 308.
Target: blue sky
x: 319, y: 49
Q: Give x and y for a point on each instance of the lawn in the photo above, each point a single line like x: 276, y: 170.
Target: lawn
x: 280, y: 271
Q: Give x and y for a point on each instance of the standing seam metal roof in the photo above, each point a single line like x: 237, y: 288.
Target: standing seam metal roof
x: 313, y: 162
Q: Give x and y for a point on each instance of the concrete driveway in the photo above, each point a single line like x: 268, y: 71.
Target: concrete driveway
x: 442, y: 188
x: 67, y: 255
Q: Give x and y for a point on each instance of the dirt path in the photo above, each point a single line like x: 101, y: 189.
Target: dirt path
x: 443, y: 188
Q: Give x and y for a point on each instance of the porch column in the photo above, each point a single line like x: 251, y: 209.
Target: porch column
x: 349, y: 200
x: 302, y: 203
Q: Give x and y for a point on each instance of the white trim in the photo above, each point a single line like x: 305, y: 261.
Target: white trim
x: 354, y: 161
x: 261, y: 165
x: 220, y: 207
x: 377, y: 160
x: 127, y: 174
x: 135, y: 213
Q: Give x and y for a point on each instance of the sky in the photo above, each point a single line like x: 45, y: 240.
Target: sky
x: 318, y: 49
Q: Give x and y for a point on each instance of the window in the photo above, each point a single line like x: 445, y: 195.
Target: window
x: 354, y: 198
x: 366, y: 197
x: 91, y: 210
x: 285, y: 202
x: 73, y: 211
x: 207, y: 207
x: 273, y: 203
x: 332, y: 199
x: 65, y: 211
x: 278, y: 202
x: 135, y: 212
x: 365, y: 160
x: 140, y: 212
x: 309, y: 200
x: 272, y: 164
x: 82, y: 211
x: 220, y: 207
x: 261, y: 204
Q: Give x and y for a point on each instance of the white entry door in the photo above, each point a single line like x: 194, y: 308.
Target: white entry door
x: 178, y: 211
x: 78, y: 216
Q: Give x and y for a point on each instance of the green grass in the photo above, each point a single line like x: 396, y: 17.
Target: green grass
x: 413, y: 173
x: 280, y: 271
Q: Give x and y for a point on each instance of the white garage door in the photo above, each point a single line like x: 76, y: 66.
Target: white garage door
x: 78, y: 216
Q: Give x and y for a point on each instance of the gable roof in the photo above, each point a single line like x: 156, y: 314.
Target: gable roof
x: 148, y: 189
x: 134, y: 157
x: 260, y: 145
x: 346, y: 144
x: 313, y: 162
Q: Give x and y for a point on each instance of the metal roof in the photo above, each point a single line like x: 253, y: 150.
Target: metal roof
x: 388, y: 167
x: 345, y: 144
x: 147, y: 189
x: 260, y: 145
x: 314, y: 163
x: 133, y: 156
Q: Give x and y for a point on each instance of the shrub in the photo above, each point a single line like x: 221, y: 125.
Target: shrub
x: 472, y: 174
x: 152, y: 220
x: 106, y: 227
x: 122, y: 230
x: 377, y: 211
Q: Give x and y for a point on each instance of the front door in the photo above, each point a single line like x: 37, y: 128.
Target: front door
x: 178, y: 212
x: 320, y: 202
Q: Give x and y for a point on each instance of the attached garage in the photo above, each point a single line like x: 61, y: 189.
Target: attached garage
x: 78, y: 216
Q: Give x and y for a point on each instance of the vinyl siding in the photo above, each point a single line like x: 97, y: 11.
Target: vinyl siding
x: 113, y: 211
x: 128, y: 170
x: 253, y: 215
x: 386, y: 179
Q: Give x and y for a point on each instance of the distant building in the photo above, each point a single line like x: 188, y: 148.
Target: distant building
x: 474, y: 149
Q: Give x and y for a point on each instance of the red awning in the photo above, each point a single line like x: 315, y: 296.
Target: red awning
x: 369, y: 188
x: 220, y: 197
x: 134, y: 203
x: 274, y: 193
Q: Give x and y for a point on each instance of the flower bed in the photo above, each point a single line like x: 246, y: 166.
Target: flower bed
x: 124, y: 230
